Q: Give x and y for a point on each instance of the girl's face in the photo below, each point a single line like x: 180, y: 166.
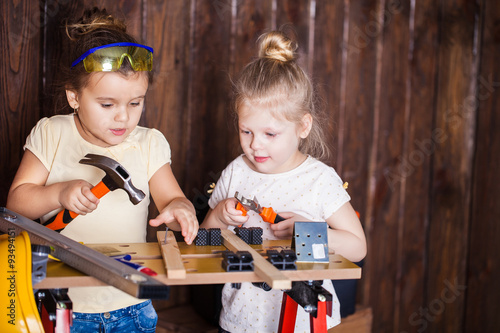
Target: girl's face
x: 109, y: 107
x: 271, y: 145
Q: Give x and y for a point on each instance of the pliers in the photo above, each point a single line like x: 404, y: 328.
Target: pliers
x: 267, y: 213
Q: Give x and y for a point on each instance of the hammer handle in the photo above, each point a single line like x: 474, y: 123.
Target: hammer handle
x: 61, y: 220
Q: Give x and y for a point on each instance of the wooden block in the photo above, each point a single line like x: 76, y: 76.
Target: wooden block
x: 263, y: 268
x: 174, y: 267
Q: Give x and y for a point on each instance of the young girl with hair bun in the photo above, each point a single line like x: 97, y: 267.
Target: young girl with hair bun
x: 106, y: 86
x: 282, y: 141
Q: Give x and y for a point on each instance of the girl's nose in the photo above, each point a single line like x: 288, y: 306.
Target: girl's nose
x: 121, y: 114
x: 255, y: 144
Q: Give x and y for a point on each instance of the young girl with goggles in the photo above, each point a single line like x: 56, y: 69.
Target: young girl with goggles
x: 105, y: 87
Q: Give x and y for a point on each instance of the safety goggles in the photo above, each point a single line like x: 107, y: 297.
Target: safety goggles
x: 108, y: 58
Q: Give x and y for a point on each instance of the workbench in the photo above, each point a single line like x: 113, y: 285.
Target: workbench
x: 177, y: 263
x: 201, y: 264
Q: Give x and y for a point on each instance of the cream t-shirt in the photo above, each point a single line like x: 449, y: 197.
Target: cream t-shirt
x: 57, y: 143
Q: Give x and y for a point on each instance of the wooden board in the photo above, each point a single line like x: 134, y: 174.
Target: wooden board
x: 203, y: 265
x: 174, y: 269
x: 263, y: 268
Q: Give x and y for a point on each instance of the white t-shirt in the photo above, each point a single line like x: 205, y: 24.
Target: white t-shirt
x: 57, y: 143
x: 313, y: 190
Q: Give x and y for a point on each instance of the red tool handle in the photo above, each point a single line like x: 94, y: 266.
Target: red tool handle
x: 270, y: 216
x: 61, y: 220
x: 241, y: 208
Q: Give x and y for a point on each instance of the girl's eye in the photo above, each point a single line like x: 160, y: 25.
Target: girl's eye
x: 271, y: 134
x: 245, y: 132
x: 135, y: 104
x: 106, y: 105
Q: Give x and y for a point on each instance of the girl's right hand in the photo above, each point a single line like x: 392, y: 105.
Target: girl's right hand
x: 228, y: 214
x: 76, y: 196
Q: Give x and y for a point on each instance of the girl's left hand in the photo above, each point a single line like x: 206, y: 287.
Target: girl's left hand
x: 180, y: 212
x: 284, y: 229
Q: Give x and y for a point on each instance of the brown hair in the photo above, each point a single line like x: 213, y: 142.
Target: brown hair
x: 95, y: 28
x: 275, y: 80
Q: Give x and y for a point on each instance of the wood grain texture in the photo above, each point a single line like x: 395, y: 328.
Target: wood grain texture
x: 207, y: 94
x: 172, y: 260
x: 356, y: 127
x: 483, y: 267
x: 359, y: 127
x: 329, y: 57
x: 452, y: 165
x: 390, y: 112
x: 414, y: 167
x: 168, y: 32
x: 19, y: 83
x: 411, y: 97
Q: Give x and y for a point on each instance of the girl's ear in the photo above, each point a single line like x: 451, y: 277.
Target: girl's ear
x: 306, y: 125
x: 72, y: 98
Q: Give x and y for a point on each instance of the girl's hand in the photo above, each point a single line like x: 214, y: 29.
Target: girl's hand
x: 76, y: 196
x: 228, y: 214
x: 284, y: 229
x: 224, y: 215
x: 181, y: 212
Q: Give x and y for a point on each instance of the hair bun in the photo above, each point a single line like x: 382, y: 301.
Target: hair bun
x: 277, y: 46
x: 91, y: 20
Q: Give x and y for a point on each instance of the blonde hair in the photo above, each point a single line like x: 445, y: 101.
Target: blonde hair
x: 276, y: 81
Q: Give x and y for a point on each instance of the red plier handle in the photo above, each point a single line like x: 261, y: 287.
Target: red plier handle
x: 270, y: 216
x: 267, y: 213
x: 240, y: 207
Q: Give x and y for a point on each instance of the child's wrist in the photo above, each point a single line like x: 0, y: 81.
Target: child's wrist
x: 223, y: 223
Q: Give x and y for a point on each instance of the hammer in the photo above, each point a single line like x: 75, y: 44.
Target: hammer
x: 116, y: 177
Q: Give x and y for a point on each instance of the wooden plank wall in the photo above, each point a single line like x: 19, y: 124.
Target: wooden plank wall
x: 411, y: 91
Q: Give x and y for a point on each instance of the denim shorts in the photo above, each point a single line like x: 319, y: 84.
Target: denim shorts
x: 141, y: 317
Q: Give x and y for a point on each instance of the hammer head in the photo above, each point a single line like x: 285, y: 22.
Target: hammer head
x: 116, y: 176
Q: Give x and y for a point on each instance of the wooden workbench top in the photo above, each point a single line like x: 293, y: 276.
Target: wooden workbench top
x: 202, y: 266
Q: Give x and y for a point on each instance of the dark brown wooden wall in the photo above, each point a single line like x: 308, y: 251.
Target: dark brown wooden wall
x: 412, y: 94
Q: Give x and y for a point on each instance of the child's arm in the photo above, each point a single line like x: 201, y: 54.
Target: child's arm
x: 175, y: 209
x: 345, y: 235
x: 223, y: 215
x: 30, y: 197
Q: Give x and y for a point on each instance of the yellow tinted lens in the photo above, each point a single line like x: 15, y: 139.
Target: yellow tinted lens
x: 100, y: 63
x: 110, y: 59
x: 143, y: 59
